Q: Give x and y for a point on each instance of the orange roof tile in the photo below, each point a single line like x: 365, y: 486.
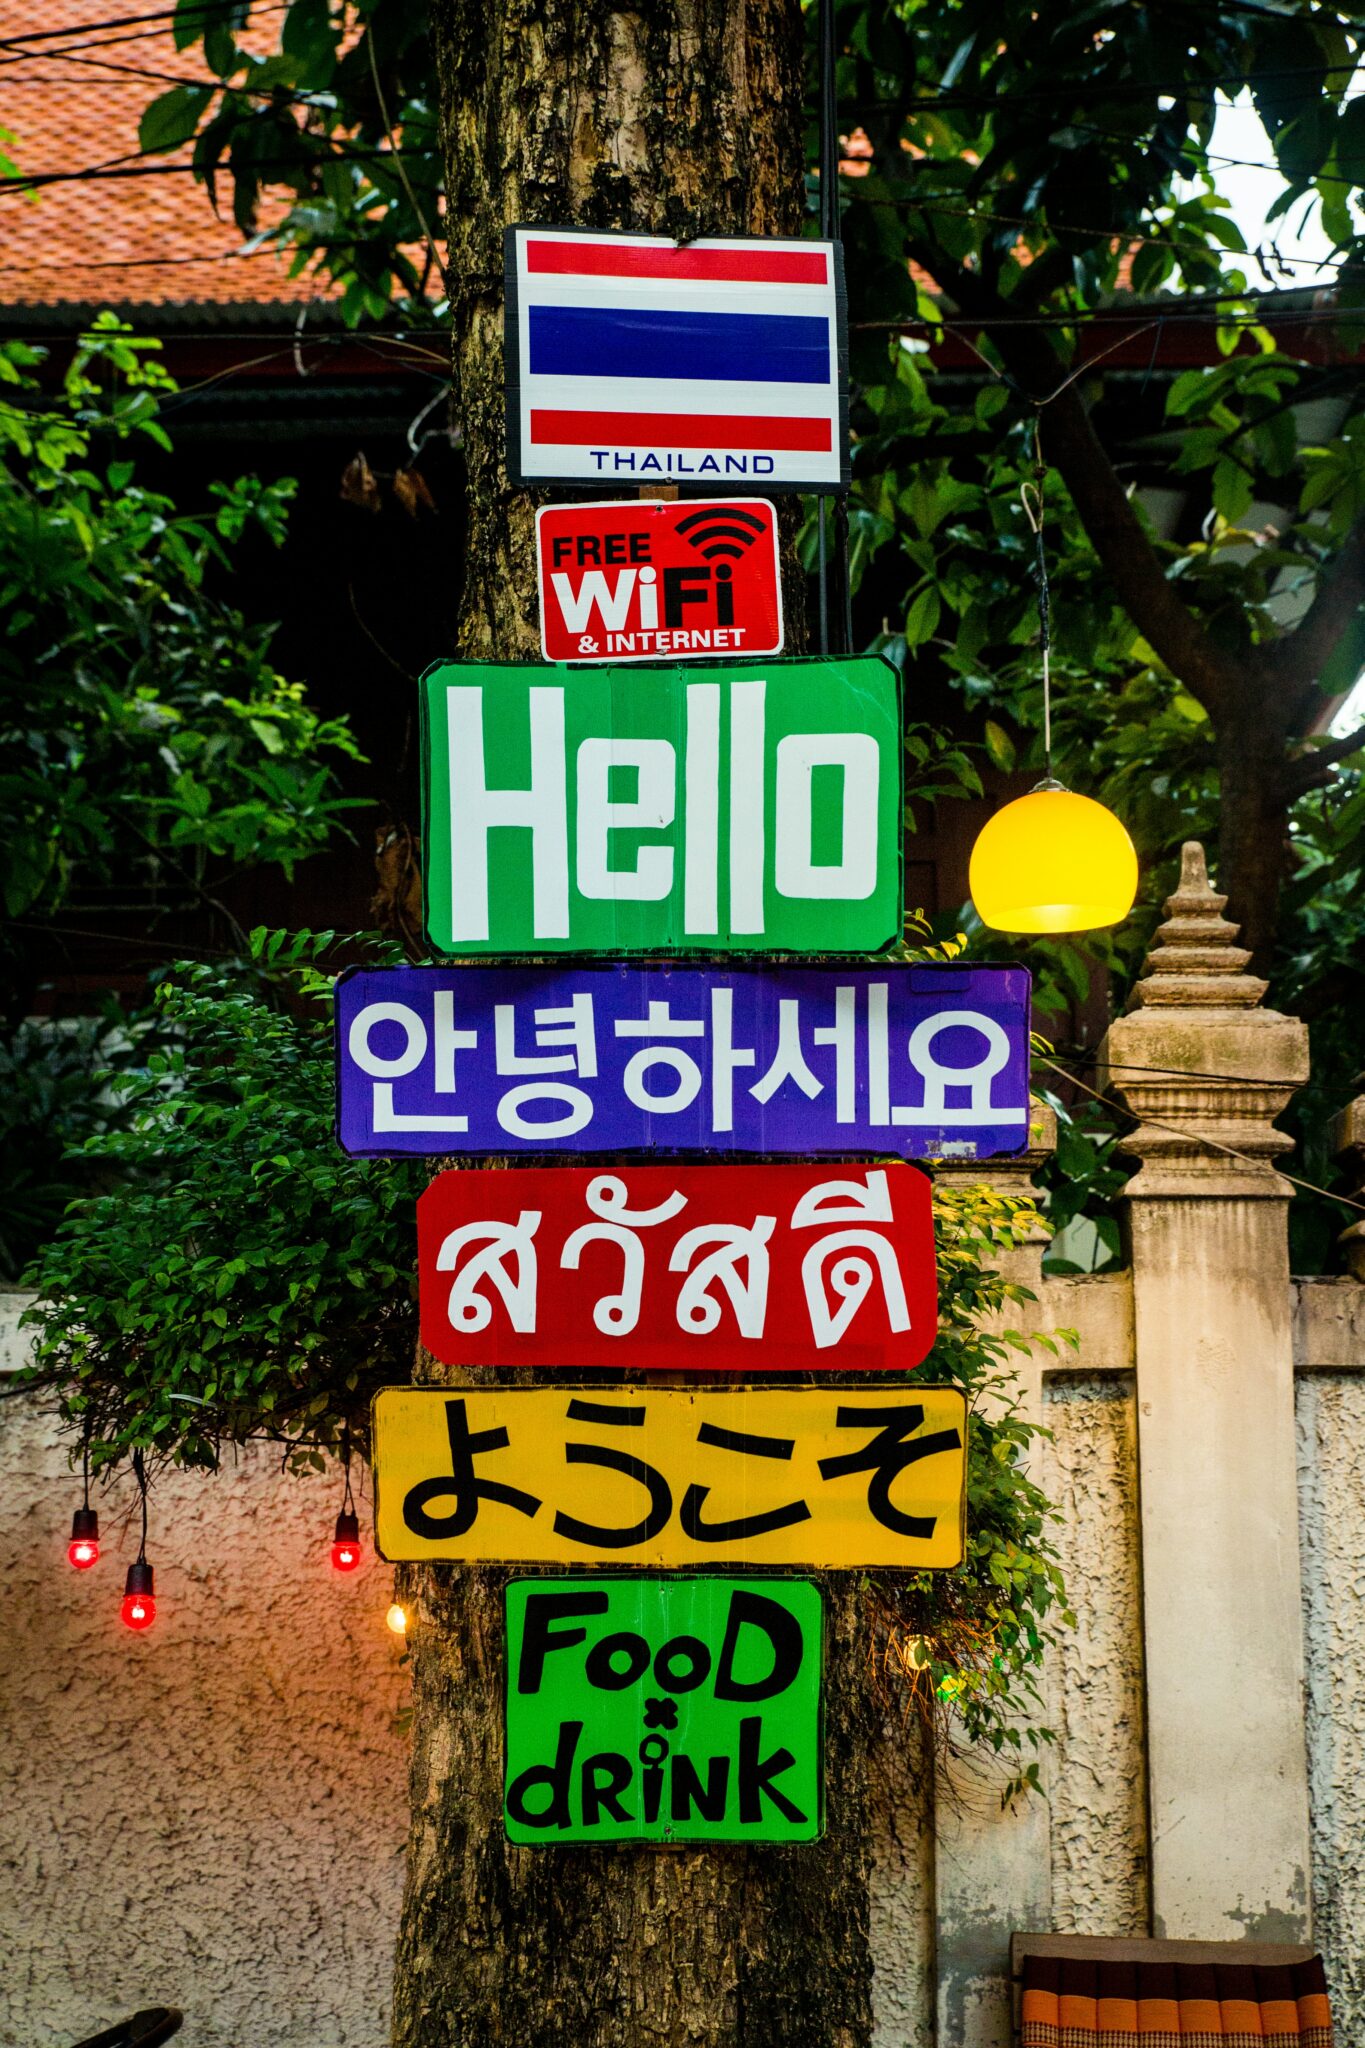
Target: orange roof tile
x: 72, y: 101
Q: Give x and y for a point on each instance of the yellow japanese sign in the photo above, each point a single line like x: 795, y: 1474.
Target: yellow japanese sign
x: 840, y: 1476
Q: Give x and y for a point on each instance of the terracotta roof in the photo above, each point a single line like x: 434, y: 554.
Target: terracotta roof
x: 72, y: 101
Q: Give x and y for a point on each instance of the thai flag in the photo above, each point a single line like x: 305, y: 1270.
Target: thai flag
x: 635, y: 360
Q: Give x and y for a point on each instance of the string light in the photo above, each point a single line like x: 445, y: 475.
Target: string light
x: 84, y: 1548
x: 397, y: 1619
x: 346, y: 1543
x: 346, y: 1551
x: 139, y: 1591
x: 1051, y: 861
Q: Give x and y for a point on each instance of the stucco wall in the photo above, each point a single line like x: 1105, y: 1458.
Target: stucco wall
x: 902, y: 1892
x: 211, y: 1815
x: 1097, y: 1780
x: 1331, y: 1419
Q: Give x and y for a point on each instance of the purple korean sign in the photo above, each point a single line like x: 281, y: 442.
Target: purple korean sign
x: 928, y: 1062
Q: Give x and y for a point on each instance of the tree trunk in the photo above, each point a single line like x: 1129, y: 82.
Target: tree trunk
x: 1253, y: 825
x: 684, y: 118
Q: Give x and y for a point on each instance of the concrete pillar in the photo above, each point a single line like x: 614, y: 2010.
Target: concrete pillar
x: 1201, y: 1066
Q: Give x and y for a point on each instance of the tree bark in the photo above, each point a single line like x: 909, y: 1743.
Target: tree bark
x: 1253, y: 826
x: 684, y: 118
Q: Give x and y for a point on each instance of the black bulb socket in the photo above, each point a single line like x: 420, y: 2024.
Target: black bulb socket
x: 348, y: 1528
x: 85, y: 1526
x: 140, y: 1580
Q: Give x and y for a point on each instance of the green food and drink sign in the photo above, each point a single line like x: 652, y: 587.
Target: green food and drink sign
x: 663, y: 1710
x: 752, y: 809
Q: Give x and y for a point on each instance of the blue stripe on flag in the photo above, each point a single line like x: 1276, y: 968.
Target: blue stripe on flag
x: 611, y: 341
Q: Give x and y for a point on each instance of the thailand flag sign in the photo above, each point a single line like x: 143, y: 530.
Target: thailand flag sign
x: 634, y: 359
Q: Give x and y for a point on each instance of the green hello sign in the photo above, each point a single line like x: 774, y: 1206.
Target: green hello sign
x: 753, y: 809
x: 663, y: 1710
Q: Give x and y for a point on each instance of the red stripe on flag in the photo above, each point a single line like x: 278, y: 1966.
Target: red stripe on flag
x: 581, y: 258
x: 681, y: 430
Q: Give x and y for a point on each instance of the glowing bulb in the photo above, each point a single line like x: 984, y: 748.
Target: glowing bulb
x: 139, y: 1597
x: 1053, y: 861
x: 397, y: 1620
x: 84, y: 1548
x: 346, y: 1552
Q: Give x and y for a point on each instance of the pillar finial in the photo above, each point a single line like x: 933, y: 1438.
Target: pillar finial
x: 1199, y: 1061
x: 1195, y: 958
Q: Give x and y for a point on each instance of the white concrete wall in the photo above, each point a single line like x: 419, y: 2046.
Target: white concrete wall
x: 211, y: 1815
x: 1331, y: 1412
x: 1330, y: 1385
x: 902, y: 1893
x: 1095, y: 1821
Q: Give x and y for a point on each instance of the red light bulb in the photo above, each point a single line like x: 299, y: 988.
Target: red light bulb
x: 139, y: 1602
x: 346, y: 1551
x: 84, y: 1548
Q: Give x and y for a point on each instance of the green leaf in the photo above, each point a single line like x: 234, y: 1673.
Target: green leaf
x: 172, y: 118
x: 999, y: 745
x: 1232, y: 490
x: 921, y: 620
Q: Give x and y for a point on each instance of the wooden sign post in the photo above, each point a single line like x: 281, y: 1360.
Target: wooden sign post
x: 611, y: 809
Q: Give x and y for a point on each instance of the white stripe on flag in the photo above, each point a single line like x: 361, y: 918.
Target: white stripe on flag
x: 667, y: 295
x: 681, y: 395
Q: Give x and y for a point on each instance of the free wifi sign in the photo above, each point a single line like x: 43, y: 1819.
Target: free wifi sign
x: 654, y: 581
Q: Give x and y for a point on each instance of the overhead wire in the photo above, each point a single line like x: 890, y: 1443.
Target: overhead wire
x: 133, y: 165
x: 867, y: 164
x: 1176, y: 89
x: 92, y: 39
x: 1201, y: 1138
x: 185, y: 9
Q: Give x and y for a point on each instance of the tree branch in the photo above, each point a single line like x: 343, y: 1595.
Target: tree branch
x: 1299, y: 656
x: 1108, y: 516
x: 1315, y: 768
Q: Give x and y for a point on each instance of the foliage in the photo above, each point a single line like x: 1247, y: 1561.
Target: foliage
x: 1043, y: 172
x: 147, y: 743
x: 316, y: 119
x: 1021, y: 176
x: 1080, y: 1183
x: 1320, y: 975
x: 50, y: 1104
x: 972, y: 1642
x: 144, y: 731
x: 259, y: 1281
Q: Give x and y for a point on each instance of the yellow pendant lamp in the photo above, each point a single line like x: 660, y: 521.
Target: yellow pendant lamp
x: 1051, y: 861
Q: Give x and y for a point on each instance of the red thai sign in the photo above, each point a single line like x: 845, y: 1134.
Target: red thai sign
x: 649, y: 581
x: 729, y: 1268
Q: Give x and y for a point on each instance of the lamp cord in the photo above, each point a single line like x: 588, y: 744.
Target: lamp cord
x: 1031, y: 497
x: 347, y: 1499
x: 140, y: 1474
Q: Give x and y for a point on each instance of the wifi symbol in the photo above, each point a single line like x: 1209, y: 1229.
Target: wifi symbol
x: 722, y: 533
